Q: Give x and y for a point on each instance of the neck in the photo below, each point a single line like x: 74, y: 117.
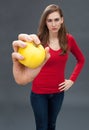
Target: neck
x: 54, y: 41
x: 53, y: 36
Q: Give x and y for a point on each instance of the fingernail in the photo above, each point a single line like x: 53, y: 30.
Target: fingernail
x: 21, y: 57
x: 24, y: 44
x: 37, y: 41
x: 29, y: 39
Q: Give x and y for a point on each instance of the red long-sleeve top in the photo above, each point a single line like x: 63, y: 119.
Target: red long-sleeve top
x: 53, y: 72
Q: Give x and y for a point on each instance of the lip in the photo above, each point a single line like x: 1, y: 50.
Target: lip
x: 54, y: 28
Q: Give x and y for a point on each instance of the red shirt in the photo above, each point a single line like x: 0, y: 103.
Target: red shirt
x: 53, y: 72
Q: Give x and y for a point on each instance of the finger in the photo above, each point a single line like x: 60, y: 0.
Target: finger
x: 17, y: 56
x: 63, y: 86
x: 35, y: 38
x: 61, y: 89
x: 47, y: 52
x: 47, y: 56
x: 29, y: 38
x: 25, y: 38
x: 47, y: 49
x: 61, y: 83
x: 17, y: 44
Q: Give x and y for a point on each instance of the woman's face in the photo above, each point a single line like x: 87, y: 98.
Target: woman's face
x: 53, y: 22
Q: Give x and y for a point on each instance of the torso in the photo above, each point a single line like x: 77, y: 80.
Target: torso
x: 53, y: 72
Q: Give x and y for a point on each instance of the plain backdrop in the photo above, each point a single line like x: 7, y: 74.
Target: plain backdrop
x: 22, y: 16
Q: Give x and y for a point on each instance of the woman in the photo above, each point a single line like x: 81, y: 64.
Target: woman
x: 48, y: 80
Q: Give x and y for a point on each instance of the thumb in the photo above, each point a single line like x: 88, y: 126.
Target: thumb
x: 47, y: 56
x: 47, y: 53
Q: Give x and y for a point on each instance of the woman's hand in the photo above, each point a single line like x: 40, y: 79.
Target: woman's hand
x: 64, y: 86
x: 22, y: 38
x: 23, y: 74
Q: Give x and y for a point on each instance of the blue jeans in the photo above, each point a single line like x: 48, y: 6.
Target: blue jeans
x: 46, y: 108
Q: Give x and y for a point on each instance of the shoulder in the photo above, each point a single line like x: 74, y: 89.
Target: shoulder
x: 71, y: 41
x: 70, y: 36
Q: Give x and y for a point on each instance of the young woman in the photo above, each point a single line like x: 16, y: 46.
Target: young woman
x: 48, y: 80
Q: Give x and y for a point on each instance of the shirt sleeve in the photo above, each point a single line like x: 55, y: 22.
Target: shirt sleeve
x: 80, y: 59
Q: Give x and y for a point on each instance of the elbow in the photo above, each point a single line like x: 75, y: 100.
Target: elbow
x: 83, y: 60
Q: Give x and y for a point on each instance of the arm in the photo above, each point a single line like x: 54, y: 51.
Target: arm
x: 75, y: 50
x: 22, y: 74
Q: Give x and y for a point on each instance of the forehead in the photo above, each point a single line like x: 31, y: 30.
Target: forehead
x: 53, y: 15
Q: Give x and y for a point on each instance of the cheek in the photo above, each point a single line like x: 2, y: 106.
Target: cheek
x: 59, y: 24
x: 48, y: 26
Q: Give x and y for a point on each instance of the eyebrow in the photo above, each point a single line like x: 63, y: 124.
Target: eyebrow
x: 52, y: 19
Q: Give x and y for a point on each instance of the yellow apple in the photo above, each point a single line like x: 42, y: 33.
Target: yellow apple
x: 34, y: 55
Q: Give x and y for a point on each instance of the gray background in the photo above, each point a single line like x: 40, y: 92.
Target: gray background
x: 22, y: 16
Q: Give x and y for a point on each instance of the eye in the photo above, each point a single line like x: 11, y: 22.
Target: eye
x: 49, y: 20
x: 57, y: 19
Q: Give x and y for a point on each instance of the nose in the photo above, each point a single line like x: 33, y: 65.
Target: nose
x: 53, y: 23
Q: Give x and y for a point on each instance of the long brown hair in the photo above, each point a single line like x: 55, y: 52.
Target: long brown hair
x: 43, y: 32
